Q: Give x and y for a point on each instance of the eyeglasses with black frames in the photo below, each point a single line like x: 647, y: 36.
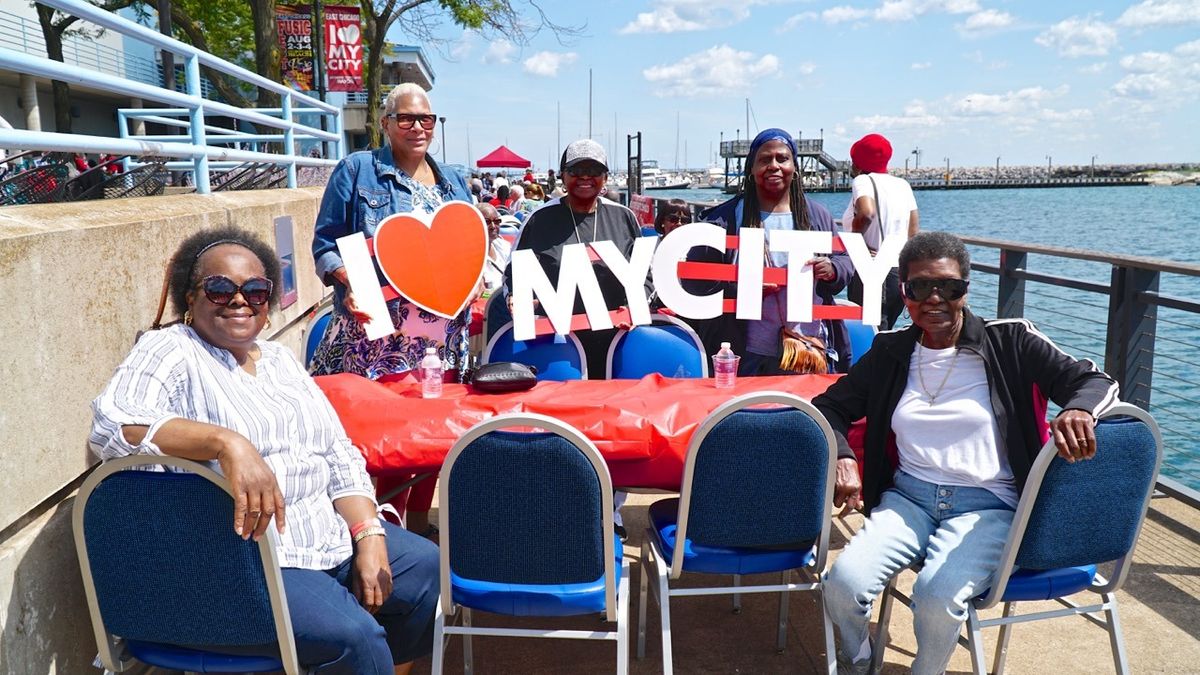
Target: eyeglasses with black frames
x: 919, y: 290
x: 220, y: 290
x: 407, y: 120
x: 588, y: 170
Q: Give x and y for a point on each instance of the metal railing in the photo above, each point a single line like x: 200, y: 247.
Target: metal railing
x: 203, y: 147
x: 25, y: 35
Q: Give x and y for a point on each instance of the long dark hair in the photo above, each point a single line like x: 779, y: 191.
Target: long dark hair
x: 750, y: 211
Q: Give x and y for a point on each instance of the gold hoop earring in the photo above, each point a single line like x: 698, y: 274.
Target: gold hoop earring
x: 267, y: 326
x: 187, y: 318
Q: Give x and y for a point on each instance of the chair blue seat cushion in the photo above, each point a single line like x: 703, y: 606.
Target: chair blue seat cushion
x: 1047, y: 584
x: 534, y: 599
x: 173, y: 657
x: 664, y: 515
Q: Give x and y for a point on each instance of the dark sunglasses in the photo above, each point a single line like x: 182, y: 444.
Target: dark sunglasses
x: 407, y: 120
x: 919, y: 290
x: 678, y: 218
x: 221, y: 290
x: 589, y: 170
x: 492, y: 221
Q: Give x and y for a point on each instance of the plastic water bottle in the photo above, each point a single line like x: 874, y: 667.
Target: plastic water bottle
x: 725, y: 365
x: 431, y: 374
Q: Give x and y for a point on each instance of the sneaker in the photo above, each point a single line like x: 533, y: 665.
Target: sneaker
x: 622, y: 533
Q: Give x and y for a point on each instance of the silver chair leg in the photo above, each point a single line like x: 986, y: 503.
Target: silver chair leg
x: 737, y: 597
x: 781, y: 636
x: 885, y: 616
x: 664, y: 606
x: 468, y: 653
x: 1113, y: 625
x: 830, y: 649
x: 623, y: 621
x: 975, y: 642
x: 643, y: 587
x: 1002, y: 641
x: 439, y: 639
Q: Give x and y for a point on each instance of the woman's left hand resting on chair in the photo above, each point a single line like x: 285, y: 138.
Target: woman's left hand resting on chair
x: 1074, y: 434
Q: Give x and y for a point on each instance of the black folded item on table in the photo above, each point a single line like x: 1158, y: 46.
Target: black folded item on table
x: 502, y: 377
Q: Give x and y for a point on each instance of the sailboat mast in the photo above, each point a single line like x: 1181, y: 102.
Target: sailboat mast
x: 676, y: 141
x: 747, y: 118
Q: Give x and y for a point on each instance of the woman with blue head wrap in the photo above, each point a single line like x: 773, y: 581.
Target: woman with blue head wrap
x: 772, y: 198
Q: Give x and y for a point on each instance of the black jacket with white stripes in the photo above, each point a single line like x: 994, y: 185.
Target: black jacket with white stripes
x: 1022, y: 366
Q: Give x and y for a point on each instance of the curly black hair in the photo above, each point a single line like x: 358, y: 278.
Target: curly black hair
x: 182, y: 269
x: 933, y: 246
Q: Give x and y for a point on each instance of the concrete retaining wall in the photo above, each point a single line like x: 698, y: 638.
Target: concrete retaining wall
x: 77, y: 281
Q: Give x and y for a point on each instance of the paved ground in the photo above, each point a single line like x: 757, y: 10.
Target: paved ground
x: 1160, y: 612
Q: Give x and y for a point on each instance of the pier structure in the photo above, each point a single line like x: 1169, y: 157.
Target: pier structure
x: 817, y: 167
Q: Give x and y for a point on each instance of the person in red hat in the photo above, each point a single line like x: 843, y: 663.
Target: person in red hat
x: 881, y: 206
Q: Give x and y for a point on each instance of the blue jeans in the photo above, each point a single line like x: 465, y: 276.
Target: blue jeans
x: 959, y: 533
x: 332, y: 628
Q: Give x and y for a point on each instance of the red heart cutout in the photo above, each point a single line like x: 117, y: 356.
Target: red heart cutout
x: 434, y: 260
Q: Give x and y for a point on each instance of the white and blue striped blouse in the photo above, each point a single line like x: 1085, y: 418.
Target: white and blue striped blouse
x: 174, y: 373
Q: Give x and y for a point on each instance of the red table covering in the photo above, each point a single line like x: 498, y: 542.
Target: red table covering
x: 642, y: 427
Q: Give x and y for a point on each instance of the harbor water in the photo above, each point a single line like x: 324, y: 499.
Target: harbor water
x: 1149, y: 221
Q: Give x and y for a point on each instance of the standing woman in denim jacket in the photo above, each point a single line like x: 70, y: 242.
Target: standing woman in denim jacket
x: 365, y: 188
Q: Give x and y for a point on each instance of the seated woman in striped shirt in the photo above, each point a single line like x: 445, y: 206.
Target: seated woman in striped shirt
x: 209, y: 390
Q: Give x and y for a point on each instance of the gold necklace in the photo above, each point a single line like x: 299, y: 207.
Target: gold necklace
x: 921, y: 373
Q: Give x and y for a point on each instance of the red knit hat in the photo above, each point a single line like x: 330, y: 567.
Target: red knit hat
x: 871, y: 153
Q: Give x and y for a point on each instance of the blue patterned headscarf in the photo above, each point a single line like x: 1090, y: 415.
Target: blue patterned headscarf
x: 766, y: 136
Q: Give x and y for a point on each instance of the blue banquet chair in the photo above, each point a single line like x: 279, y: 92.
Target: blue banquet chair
x: 1054, y: 546
x: 527, y: 530
x: 666, y: 346
x: 163, y: 567
x: 556, y: 357
x: 314, y: 332
x: 756, y: 498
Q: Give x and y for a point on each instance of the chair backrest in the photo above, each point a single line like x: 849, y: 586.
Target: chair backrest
x: 556, y: 357
x: 495, y: 314
x: 758, y: 477
x: 161, y: 562
x: 315, y: 332
x: 1090, y: 511
x: 667, y: 346
x: 861, y: 335
x: 526, y: 507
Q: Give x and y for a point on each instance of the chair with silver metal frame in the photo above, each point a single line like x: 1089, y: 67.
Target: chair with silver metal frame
x: 756, y: 498
x: 556, y: 357
x: 314, y: 331
x: 666, y: 346
x: 1054, y: 547
x: 162, y: 567
x: 527, y: 530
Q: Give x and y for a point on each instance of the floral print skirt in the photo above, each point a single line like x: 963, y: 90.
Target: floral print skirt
x: 346, y: 349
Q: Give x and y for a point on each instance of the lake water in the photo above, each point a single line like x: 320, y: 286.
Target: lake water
x: 1156, y: 222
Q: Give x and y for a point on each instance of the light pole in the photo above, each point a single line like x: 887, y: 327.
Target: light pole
x: 443, y: 121
x: 905, y: 166
x: 1093, y: 166
x: 1049, y: 166
x: 916, y: 162
x: 997, y: 167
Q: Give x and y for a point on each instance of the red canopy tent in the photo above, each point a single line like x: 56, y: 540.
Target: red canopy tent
x: 504, y: 158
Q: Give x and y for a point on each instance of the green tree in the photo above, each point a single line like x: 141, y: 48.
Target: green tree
x: 227, y: 29
x: 422, y: 19
x: 55, y: 26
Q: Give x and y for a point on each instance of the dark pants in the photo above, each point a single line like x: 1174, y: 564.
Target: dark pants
x: 595, y: 348
x: 893, y: 303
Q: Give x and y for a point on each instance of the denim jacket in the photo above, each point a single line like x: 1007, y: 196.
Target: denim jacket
x: 361, y: 192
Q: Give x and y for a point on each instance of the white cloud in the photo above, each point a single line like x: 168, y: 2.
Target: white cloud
x: 1161, y: 13
x: 499, y: 51
x: 1079, y: 36
x: 915, y: 116
x: 843, y: 13
x: 678, y: 16
x: 1066, y: 116
x: 806, y: 68
x: 547, y: 64
x: 907, y: 10
x: 715, y: 71
x: 795, y: 20
x: 1142, y: 86
x: 1008, y: 103
x: 465, y: 45
x: 1189, y: 49
x: 1147, y: 62
x: 1095, y: 68
x: 923, y: 65
x: 987, y: 21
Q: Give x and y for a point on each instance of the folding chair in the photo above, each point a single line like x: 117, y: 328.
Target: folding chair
x: 756, y: 498
x: 666, y: 346
x: 1054, y: 546
x: 315, y: 330
x: 526, y: 530
x: 162, y: 567
x: 556, y: 357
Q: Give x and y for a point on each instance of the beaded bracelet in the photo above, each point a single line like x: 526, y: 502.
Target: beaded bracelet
x: 370, y: 522
x: 375, y: 531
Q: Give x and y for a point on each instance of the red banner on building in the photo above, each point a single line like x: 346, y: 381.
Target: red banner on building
x: 294, y: 25
x: 343, y: 48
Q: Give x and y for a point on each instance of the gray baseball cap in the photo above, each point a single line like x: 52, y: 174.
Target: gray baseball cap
x: 583, y: 150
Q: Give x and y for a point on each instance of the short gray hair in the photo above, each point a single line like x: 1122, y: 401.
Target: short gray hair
x: 410, y: 89
x: 516, y: 191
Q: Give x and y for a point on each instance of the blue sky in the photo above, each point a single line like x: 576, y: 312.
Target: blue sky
x: 965, y: 79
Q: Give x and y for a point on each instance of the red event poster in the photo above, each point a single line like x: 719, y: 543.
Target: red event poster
x: 294, y: 24
x: 343, y: 48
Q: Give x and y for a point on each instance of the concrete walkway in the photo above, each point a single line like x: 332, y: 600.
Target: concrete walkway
x: 1159, y: 609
